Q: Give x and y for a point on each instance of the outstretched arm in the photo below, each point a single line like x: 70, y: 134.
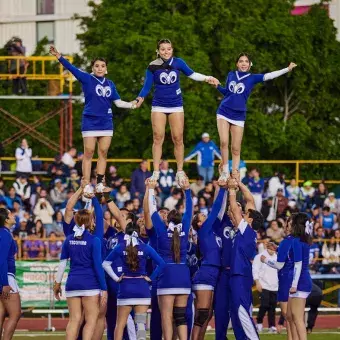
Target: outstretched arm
x: 276, y: 74
x: 215, y: 210
x: 192, y: 153
x: 97, y: 261
x: 148, y: 82
x: 147, y: 216
x: 98, y: 212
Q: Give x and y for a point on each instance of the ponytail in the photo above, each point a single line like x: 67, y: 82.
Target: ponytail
x: 132, y: 257
x: 176, y: 247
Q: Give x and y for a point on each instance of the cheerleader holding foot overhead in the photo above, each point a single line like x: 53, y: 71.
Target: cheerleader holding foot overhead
x: 86, y: 290
x: 164, y: 73
x: 174, y: 284
x: 134, y: 291
x: 97, y: 125
x: 231, y: 114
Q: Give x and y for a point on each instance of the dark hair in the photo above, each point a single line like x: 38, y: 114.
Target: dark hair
x: 93, y: 61
x: 163, y: 41
x: 328, y: 209
x: 131, y: 216
x: 175, y: 217
x: 243, y: 54
x: 3, y: 216
x: 163, y: 208
x: 131, y: 251
x: 299, y: 221
x: 257, y: 217
x: 195, y: 221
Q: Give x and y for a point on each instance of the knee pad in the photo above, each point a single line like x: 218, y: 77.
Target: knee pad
x: 201, y: 316
x: 140, y: 321
x: 179, y: 316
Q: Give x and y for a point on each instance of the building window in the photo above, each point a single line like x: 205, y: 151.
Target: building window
x: 45, y: 6
x: 45, y: 29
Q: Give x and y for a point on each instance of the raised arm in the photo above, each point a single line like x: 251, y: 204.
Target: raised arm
x: 157, y: 222
x: 147, y: 216
x: 98, y: 212
x: 97, y: 261
x: 71, y: 203
x: 157, y: 259
x: 215, y: 210
x: 250, y: 203
x: 235, y: 209
x: 115, y: 211
x: 187, y: 216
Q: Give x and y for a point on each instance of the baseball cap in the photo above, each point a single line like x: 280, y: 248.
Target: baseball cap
x: 23, y: 219
x: 331, y: 194
x: 205, y: 135
x: 58, y: 180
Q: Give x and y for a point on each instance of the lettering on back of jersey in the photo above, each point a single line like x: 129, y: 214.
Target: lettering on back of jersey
x: 140, y: 253
x: 103, y: 91
x: 166, y: 78
x: 236, y: 87
x: 78, y: 243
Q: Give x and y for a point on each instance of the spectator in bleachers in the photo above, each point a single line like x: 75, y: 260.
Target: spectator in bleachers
x: 331, y: 255
x: 38, y: 230
x: 44, y: 211
x: 166, y: 180
x: 327, y: 220
x: 197, y: 186
x: 171, y: 202
x: 33, y: 247
x: 113, y: 180
x: 57, y: 227
x: 108, y: 217
x: 53, y: 247
x: 280, y: 204
x: 203, y: 206
x: 256, y: 187
x: 208, y: 193
x: 58, y: 194
x: 315, y: 213
x: 3, y: 189
x: 129, y: 205
x: 275, y: 232
x: 293, y: 190
x: 267, y: 210
x: 138, y: 179
x: 320, y: 195
x: 123, y: 195
x: 137, y: 210
x: 68, y: 158
x: 57, y: 169
x: 79, y: 164
x: 275, y: 183
x: 74, y: 180
x: 314, y: 255
x: 307, y: 195
x: 205, y: 150
x: 333, y: 203
x: 23, y: 155
x: 17, y: 210
x: 22, y: 188
x: 22, y: 231
x: 11, y: 197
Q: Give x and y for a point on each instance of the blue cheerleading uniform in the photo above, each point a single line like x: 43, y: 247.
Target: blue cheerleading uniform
x: 241, y: 281
x: 239, y: 85
x: 165, y: 75
x: 175, y: 279
x: 99, y: 94
x: 134, y: 289
x: 8, y: 249
x: 210, y: 246
x: 301, y: 279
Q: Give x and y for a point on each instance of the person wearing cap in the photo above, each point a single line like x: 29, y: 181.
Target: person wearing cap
x: 205, y: 150
x: 307, y: 192
x: 332, y: 203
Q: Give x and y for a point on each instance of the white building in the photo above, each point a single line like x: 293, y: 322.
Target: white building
x: 31, y: 20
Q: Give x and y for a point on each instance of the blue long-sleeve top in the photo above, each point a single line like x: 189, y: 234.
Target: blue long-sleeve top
x: 205, y: 153
x: 144, y: 252
x: 211, y: 244
x: 85, y: 256
x: 99, y: 92
x: 164, y: 235
x: 8, y: 250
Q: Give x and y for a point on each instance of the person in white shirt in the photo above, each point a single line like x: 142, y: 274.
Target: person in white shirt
x: 22, y: 188
x: 23, y: 155
x: 171, y: 202
x: 68, y: 158
x: 266, y: 280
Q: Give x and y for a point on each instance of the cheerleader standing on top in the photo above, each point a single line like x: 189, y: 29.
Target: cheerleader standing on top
x: 10, y: 305
x: 134, y: 292
x: 97, y: 124
x: 86, y: 289
x: 174, y: 284
x: 205, y: 279
x: 164, y: 73
x: 231, y: 114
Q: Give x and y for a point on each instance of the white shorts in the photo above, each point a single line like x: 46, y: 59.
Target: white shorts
x: 80, y: 293
x: 12, y: 282
x: 98, y: 133
x: 167, y: 110
x: 134, y: 302
x: 202, y: 287
x: 233, y: 122
x: 300, y: 294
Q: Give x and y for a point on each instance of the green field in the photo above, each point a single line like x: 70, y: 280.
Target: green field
x: 330, y: 335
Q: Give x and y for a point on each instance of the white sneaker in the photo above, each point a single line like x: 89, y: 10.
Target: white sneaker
x: 88, y: 189
x: 100, y: 187
x: 259, y: 327
x: 155, y: 176
x: 272, y: 330
x: 224, y: 176
x: 180, y: 177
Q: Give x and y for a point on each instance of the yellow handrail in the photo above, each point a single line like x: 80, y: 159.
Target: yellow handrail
x: 30, y: 64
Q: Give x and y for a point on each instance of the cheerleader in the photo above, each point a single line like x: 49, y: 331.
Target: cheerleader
x: 97, y: 125
x: 164, y: 73
x: 10, y: 305
x: 174, y: 284
x: 205, y: 280
x: 134, y: 289
x: 285, y: 267
x: 231, y: 114
x: 86, y: 289
x: 302, y: 230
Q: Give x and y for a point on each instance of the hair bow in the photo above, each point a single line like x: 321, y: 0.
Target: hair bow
x: 309, y: 227
x: 131, y: 239
x: 172, y: 226
x: 78, y: 231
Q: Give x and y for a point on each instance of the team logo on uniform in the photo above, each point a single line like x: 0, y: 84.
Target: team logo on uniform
x: 168, y: 78
x: 228, y: 233
x: 112, y: 242
x: 192, y: 260
x: 103, y: 91
x: 218, y: 241
x: 237, y: 88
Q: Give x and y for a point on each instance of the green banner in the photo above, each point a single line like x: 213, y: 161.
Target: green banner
x: 35, y: 280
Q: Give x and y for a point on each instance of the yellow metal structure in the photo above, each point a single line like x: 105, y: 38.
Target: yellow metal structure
x: 36, y: 69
